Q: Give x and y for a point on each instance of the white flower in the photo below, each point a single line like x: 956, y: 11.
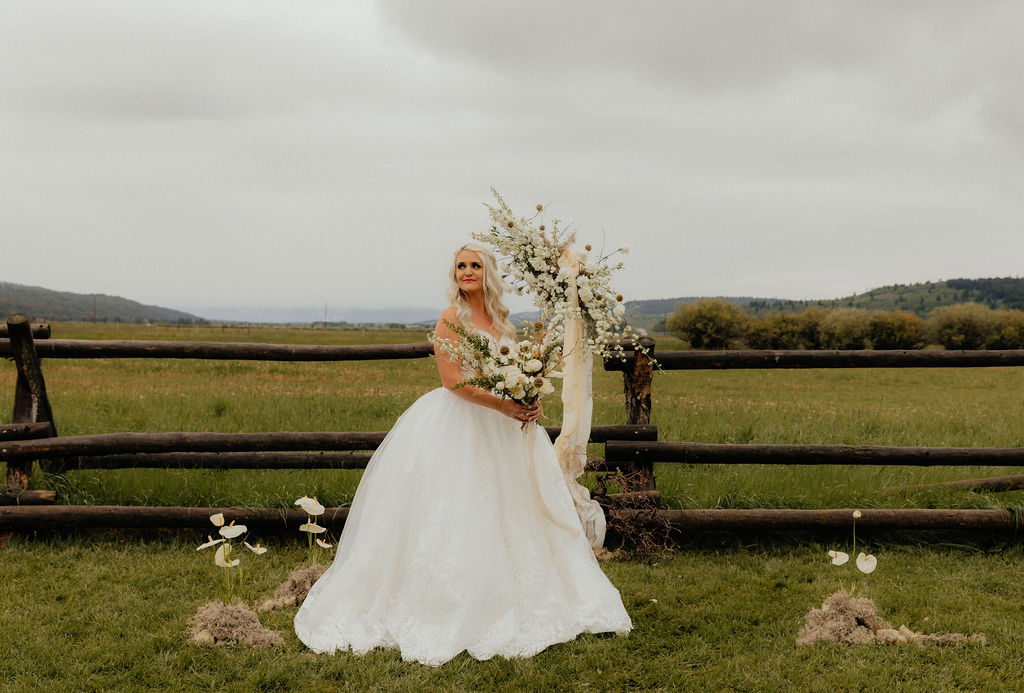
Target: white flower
x: 310, y: 505
x: 533, y: 366
x: 866, y: 563
x: 221, y: 557
x: 231, y: 531
x: 838, y: 557
x: 856, y: 515
x: 320, y: 542
x: 619, y: 309
x: 258, y: 550
x: 217, y: 519
x: 312, y: 528
x: 546, y: 388
x: 500, y: 385
x: 210, y: 541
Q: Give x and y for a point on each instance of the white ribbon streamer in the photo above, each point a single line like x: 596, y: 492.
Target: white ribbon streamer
x: 529, y: 440
x: 578, y: 409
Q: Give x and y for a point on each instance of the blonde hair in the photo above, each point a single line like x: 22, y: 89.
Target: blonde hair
x: 494, y: 287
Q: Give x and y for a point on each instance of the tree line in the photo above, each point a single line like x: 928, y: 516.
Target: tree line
x: 720, y: 324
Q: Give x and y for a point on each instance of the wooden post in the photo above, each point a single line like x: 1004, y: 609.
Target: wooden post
x: 636, y: 379
x: 31, y: 404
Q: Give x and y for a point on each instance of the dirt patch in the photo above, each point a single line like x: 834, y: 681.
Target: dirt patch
x: 292, y: 591
x: 843, y: 618
x: 217, y: 623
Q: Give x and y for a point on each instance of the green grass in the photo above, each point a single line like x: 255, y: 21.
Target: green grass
x: 980, y: 407
x: 102, y: 610
x: 98, y: 614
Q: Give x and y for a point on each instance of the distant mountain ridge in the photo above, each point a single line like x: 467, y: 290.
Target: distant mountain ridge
x: 47, y: 304
x: 1001, y: 293
x: 922, y: 298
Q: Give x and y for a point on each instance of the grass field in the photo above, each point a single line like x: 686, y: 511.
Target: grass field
x: 109, y: 611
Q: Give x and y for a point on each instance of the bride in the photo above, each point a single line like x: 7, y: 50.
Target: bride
x: 445, y: 547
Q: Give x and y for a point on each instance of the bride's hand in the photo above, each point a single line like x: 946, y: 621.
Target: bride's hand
x: 519, y: 412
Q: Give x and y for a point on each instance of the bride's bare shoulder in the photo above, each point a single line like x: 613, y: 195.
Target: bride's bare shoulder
x: 448, y: 315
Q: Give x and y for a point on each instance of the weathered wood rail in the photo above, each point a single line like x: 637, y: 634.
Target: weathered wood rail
x: 631, y: 447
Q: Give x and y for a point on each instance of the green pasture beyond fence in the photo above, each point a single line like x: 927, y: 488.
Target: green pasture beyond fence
x: 631, y: 447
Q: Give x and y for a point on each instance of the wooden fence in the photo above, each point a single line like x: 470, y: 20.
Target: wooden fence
x: 632, y: 447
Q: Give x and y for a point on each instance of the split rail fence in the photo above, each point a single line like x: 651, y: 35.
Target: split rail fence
x: 632, y: 447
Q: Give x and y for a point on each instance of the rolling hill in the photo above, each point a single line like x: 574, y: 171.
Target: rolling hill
x: 46, y: 304
x: 1004, y: 293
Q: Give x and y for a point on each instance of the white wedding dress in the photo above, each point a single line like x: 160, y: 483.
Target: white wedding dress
x: 447, y: 548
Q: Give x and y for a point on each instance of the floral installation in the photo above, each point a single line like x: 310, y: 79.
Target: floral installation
x: 230, y: 621
x: 847, y: 618
x: 313, y: 531
x: 222, y: 558
x: 865, y: 563
x: 530, y: 252
x: 521, y: 373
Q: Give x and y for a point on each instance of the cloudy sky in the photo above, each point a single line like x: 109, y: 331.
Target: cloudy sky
x: 203, y: 154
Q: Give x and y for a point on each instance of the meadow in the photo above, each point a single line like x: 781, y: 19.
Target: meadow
x: 108, y: 611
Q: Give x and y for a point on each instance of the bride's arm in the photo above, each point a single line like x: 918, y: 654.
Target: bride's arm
x: 448, y: 369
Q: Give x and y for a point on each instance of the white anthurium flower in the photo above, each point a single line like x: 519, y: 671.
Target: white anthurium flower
x: 231, y: 531
x: 217, y: 520
x: 310, y: 505
x: 312, y: 528
x: 866, y: 563
x: 856, y: 515
x: 222, y: 557
x: 210, y: 541
x: 839, y: 557
x: 320, y: 542
x: 258, y: 550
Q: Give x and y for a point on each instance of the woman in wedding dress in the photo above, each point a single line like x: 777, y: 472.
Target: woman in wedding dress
x: 446, y: 548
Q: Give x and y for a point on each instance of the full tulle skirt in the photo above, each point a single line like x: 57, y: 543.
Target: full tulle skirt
x: 447, y: 547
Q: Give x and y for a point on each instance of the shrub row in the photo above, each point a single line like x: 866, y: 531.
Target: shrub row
x: 719, y: 324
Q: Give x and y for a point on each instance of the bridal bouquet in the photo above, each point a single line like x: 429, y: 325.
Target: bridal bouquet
x: 531, y: 252
x: 522, y: 373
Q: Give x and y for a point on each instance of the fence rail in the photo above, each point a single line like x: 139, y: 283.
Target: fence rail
x: 634, y: 446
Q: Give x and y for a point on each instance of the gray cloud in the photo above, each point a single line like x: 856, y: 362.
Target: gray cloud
x: 234, y: 153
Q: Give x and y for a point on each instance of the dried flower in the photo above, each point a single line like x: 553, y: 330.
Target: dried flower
x: 210, y: 541
x: 838, y: 557
x: 258, y: 550
x: 866, y: 564
x: 310, y: 505
x: 312, y: 528
x: 223, y: 557
x: 231, y: 531
x: 540, y: 207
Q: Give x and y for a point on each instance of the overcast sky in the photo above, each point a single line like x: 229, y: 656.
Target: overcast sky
x: 203, y: 154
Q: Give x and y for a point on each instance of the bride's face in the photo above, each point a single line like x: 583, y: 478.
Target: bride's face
x: 469, y: 271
